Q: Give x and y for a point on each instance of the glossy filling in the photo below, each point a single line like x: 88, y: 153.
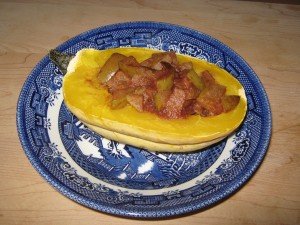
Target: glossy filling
x: 163, y: 86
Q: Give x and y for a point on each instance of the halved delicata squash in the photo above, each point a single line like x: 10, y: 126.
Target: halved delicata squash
x: 86, y: 97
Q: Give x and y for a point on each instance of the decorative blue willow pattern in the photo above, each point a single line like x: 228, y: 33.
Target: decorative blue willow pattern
x: 126, y: 166
x: 164, y: 170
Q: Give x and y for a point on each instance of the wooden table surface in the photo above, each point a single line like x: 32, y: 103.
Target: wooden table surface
x: 266, y: 35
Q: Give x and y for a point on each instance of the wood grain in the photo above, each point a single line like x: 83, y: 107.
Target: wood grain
x: 267, y: 35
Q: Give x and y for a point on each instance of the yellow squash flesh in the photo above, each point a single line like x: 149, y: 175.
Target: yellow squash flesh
x: 89, y: 102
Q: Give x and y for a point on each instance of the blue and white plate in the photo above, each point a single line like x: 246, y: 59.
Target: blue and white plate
x: 123, y: 180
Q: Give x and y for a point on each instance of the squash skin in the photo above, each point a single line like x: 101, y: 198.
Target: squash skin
x: 149, y: 145
x: 89, y: 102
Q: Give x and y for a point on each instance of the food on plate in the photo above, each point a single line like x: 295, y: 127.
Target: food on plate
x: 156, y: 100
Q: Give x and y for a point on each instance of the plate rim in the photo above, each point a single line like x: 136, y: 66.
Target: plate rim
x: 252, y: 166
